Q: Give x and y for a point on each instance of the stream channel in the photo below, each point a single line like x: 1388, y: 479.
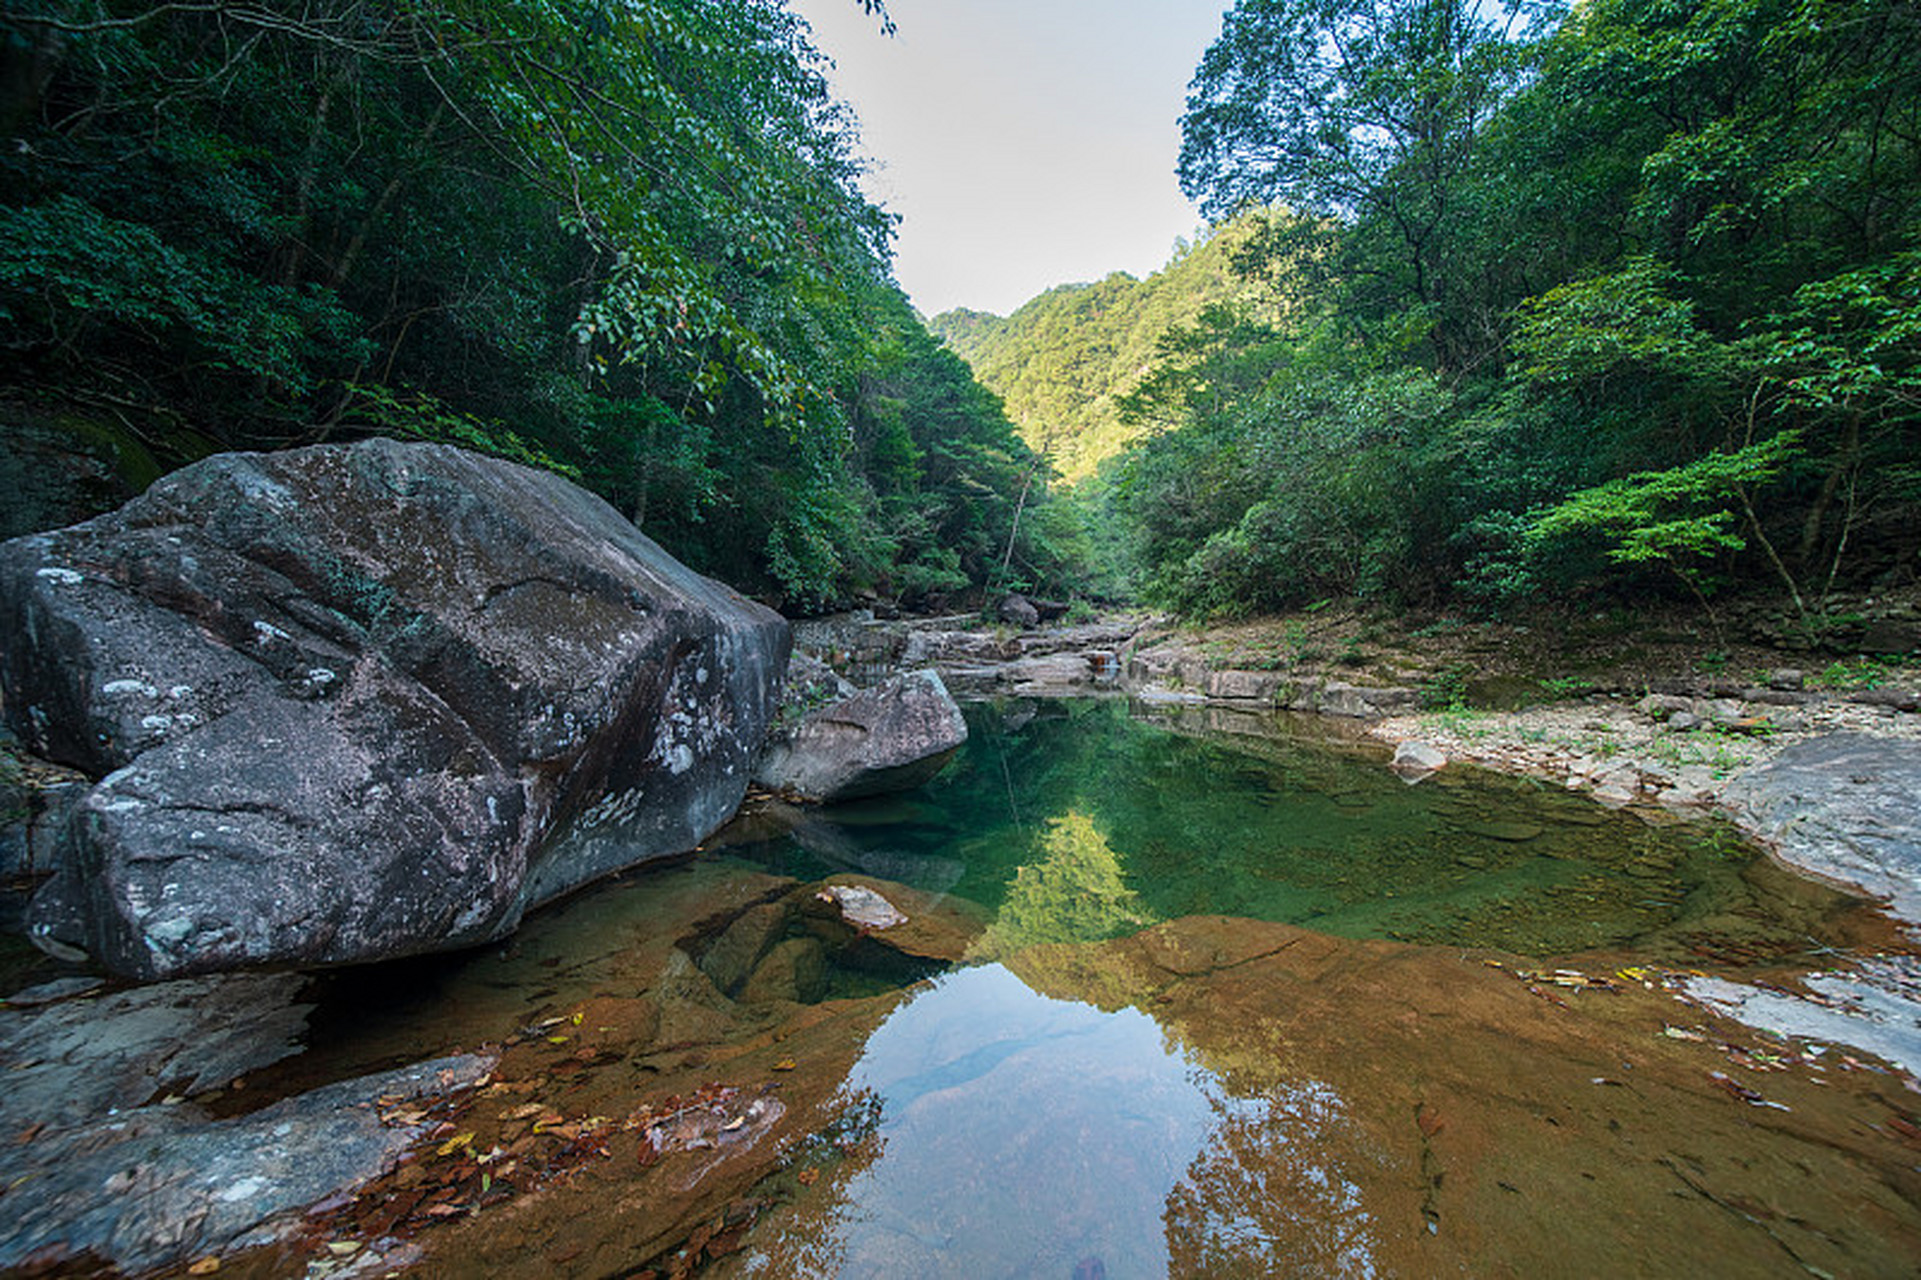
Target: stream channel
x: 1182, y: 992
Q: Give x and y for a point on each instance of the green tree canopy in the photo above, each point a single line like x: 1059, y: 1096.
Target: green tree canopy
x: 622, y: 238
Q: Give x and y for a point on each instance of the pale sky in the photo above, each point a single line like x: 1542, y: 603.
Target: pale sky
x: 1025, y: 143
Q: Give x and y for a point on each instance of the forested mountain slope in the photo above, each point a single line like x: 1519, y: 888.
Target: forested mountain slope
x: 1063, y: 359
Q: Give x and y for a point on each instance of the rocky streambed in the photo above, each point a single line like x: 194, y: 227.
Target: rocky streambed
x: 1135, y: 978
x: 1181, y: 959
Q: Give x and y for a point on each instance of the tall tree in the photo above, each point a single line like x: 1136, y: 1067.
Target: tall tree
x: 1368, y: 115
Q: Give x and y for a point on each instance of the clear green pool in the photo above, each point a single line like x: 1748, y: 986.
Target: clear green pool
x: 1083, y: 820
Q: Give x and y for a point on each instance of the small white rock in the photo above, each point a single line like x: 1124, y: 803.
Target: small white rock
x: 862, y: 907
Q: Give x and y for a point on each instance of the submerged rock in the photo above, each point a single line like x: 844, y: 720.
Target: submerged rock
x: 862, y: 907
x: 1871, y: 1007
x: 891, y: 737
x: 347, y: 703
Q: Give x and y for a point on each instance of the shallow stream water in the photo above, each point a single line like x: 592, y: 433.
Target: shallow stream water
x: 1186, y: 993
x: 1074, y: 821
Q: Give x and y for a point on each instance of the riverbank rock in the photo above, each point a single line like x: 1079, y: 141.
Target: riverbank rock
x: 162, y: 1185
x: 1842, y: 807
x: 891, y: 737
x: 1415, y: 760
x: 353, y: 702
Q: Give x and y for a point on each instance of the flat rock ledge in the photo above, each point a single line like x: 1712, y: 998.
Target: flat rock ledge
x: 1630, y: 752
x: 162, y: 1185
x: 974, y: 662
x: 1176, y: 673
x: 1845, y: 807
x: 108, y: 1163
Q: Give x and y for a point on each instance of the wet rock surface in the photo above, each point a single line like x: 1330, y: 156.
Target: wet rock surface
x: 891, y: 737
x: 1845, y: 807
x: 71, y: 1060
x: 115, y: 1154
x: 163, y: 1185
x: 347, y: 703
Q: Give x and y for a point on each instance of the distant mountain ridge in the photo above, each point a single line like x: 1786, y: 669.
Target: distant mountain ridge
x: 1062, y: 359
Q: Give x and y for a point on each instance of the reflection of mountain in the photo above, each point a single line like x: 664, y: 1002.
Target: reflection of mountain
x: 1074, y: 893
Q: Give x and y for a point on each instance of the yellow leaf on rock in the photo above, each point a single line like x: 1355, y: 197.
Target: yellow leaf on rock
x: 205, y: 1267
x: 455, y: 1143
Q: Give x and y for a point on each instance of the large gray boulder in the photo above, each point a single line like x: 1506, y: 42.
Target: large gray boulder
x: 353, y: 702
x: 891, y: 737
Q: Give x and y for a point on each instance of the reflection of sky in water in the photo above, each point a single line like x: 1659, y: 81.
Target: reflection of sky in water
x: 1024, y: 1135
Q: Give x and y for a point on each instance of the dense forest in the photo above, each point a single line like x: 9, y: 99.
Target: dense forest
x: 1501, y: 303
x: 621, y: 239
x: 1621, y: 298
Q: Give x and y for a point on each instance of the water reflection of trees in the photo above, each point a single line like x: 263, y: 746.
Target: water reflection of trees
x: 812, y: 1203
x: 1074, y: 891
x: 1262, y: 1198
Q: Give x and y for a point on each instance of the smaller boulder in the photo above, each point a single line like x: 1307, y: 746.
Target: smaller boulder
x: 862, y: 907
x: 1019, y: 611
x: 1417, y: 759
x: 1658, y: 705
x: 892, y: 737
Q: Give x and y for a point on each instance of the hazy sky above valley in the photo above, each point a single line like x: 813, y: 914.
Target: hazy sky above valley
x: 1025, y: 143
